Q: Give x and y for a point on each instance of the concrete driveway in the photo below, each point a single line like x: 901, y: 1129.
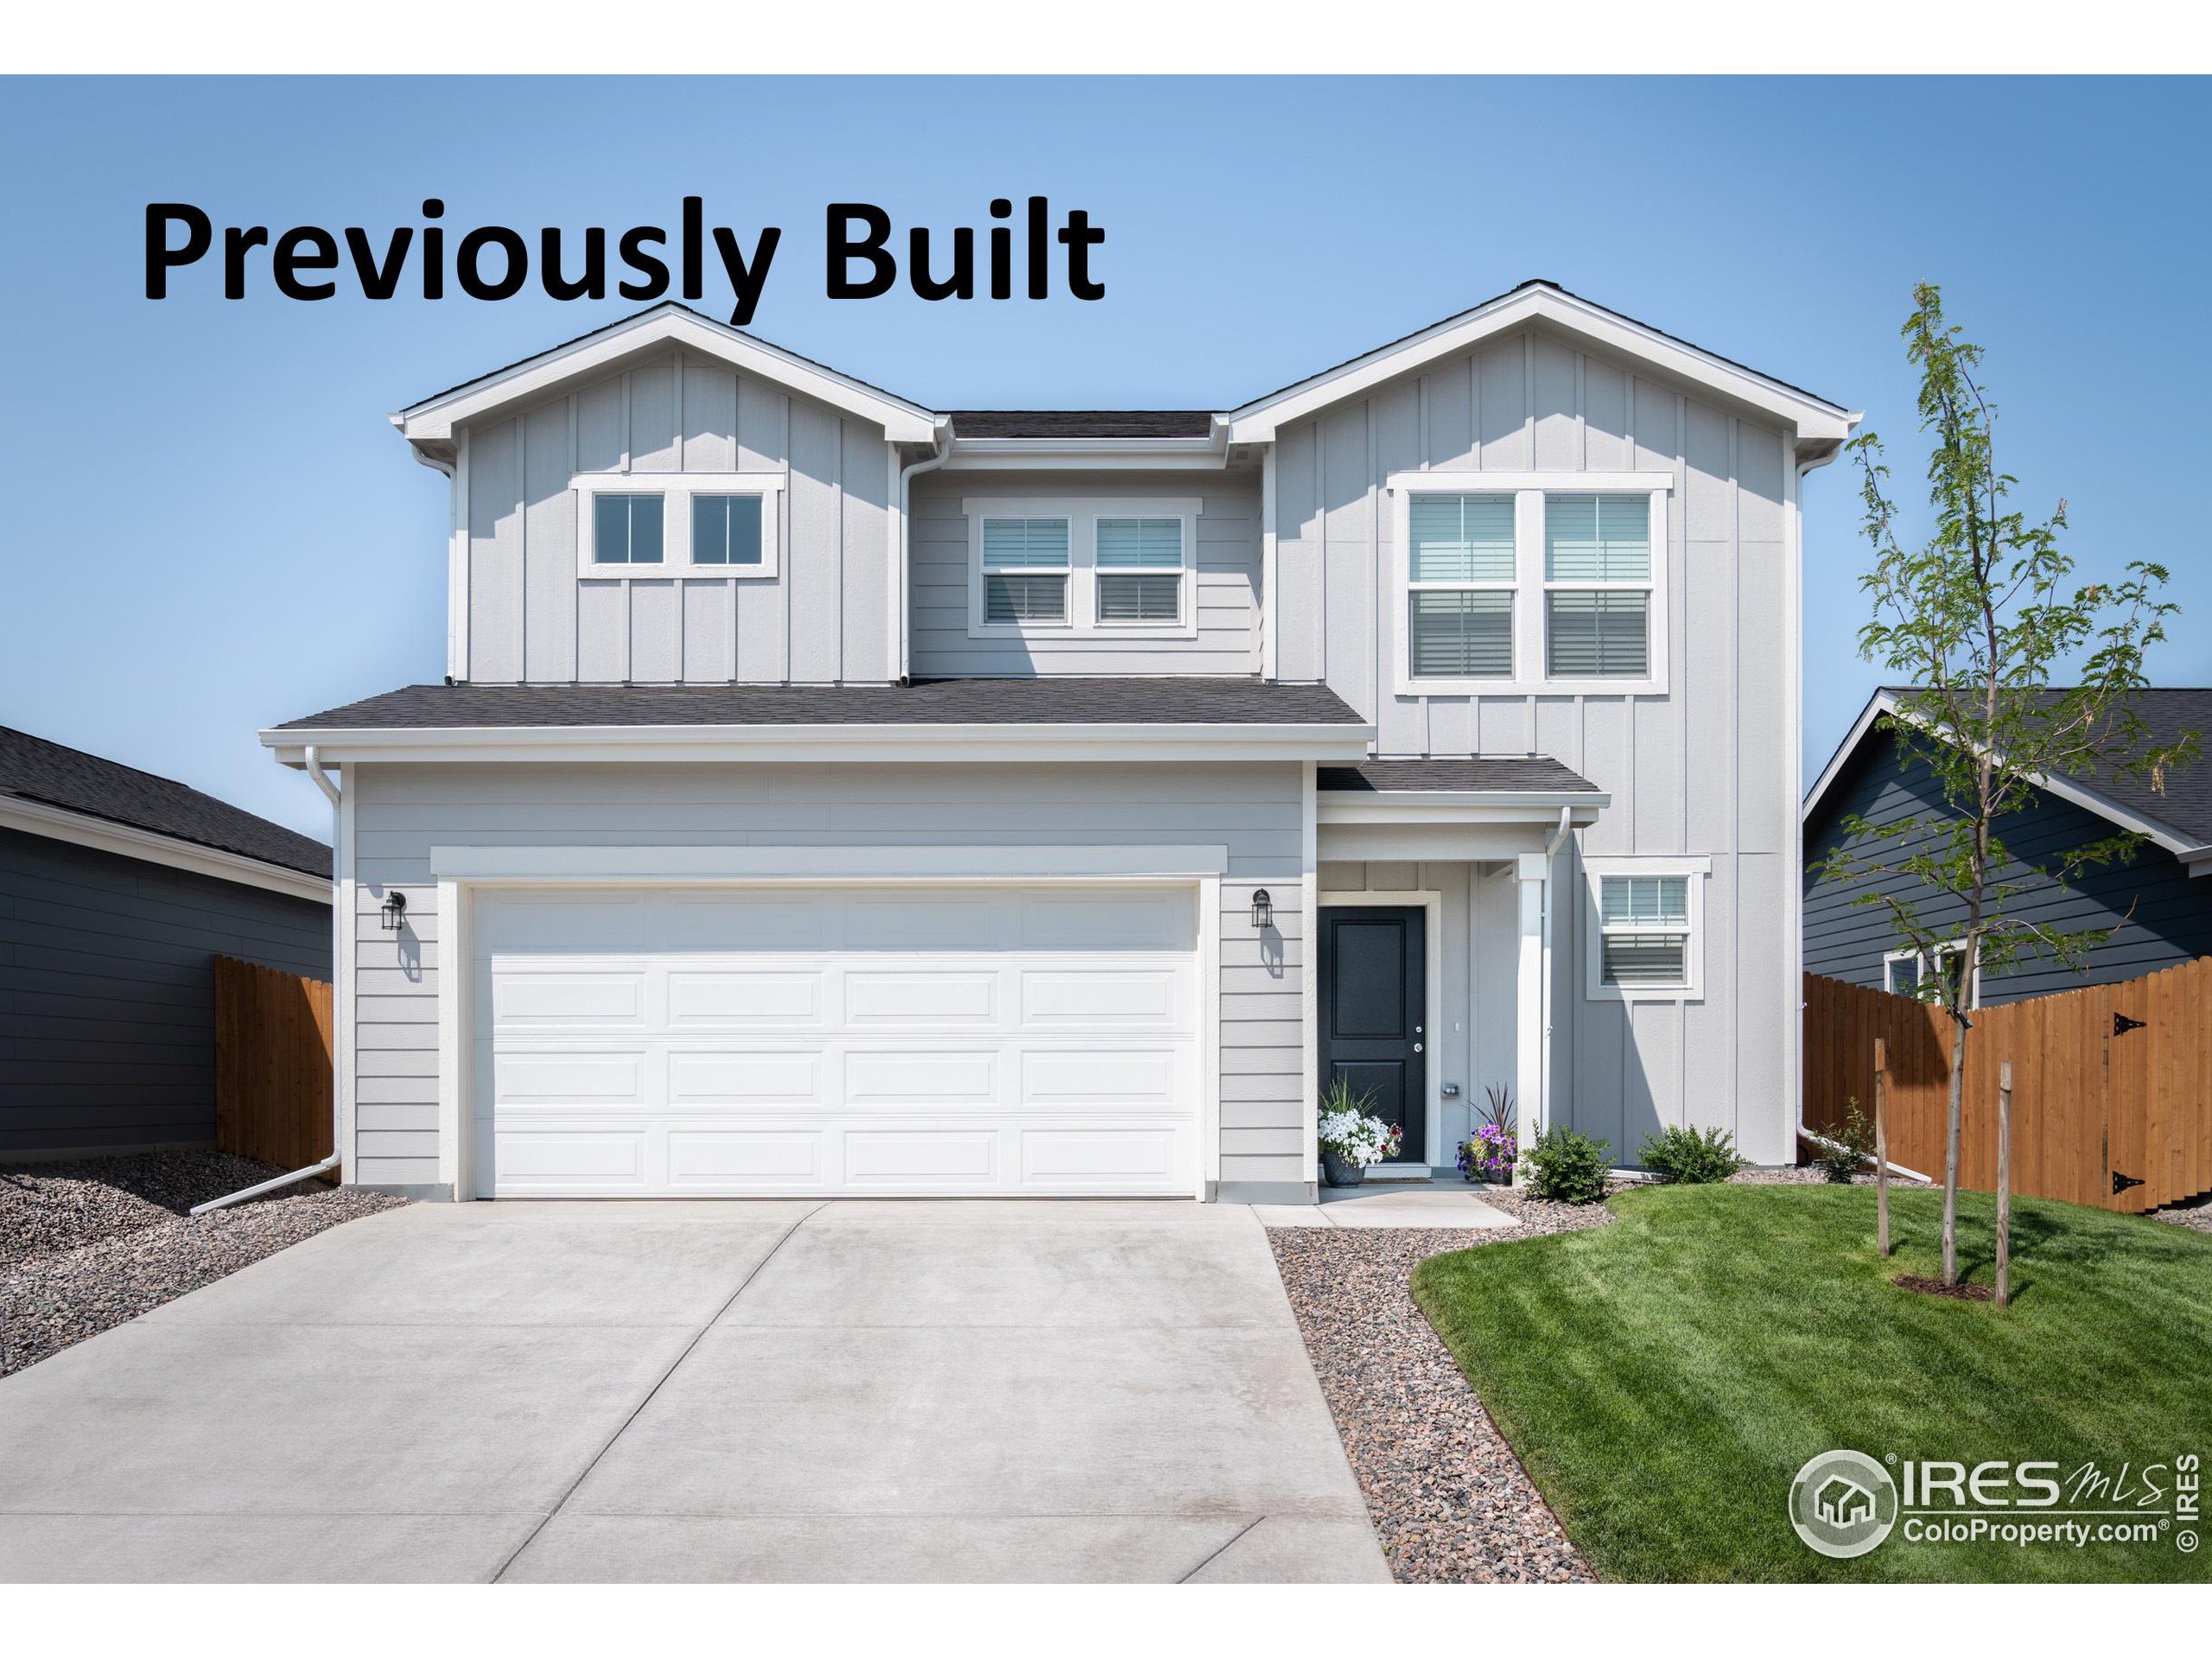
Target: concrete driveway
x: 856, y: 1390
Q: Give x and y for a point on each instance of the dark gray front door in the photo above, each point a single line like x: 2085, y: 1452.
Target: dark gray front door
x: 1374, y: 989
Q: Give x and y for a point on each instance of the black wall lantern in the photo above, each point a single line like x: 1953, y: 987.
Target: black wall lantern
x: 394, y: 911
x: 1263, y: 908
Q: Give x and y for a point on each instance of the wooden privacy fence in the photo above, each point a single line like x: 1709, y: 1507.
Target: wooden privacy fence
x: 2112, y: 1086
x: 272, y: 1065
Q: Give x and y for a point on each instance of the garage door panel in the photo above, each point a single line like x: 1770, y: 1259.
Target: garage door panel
x: 1086, y: 999
x: 1110, y: 1158
x: 908, y: 1076
x: 711, y: 1158
x: 544, y: 997
x: 746, y: 998
x: 1148, y: 1080
x: 967, y: 1041
x: 745, y: 1077
x: 961, y: 1159
x: 568, y: 1077
x: 921, y: 997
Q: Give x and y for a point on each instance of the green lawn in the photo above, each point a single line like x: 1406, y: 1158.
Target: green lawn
x: 1663, y: 1378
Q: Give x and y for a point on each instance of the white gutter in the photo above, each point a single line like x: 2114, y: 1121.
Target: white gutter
x: 313, y: 763
x: 1895, y: 1168
x: 941, y: 452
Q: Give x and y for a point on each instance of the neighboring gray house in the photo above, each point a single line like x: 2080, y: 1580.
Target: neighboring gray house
x: 117, y: 889
x: 835, y: 795
x: 2157, y: 900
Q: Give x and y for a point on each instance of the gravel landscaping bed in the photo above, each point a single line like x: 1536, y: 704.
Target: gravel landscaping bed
x: 2196, y: 1214
x: 87, y: 1246
x: 1449, y: 1501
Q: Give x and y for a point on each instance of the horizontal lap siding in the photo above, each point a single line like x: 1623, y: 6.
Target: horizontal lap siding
x: 107, y: 991
x: 401, y: 812
x: 1710, y: 768
x: 2162, y: 914
x: 821, y: 618
x: 1228, y: 577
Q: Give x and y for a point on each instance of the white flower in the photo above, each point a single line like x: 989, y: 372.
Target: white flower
x: 1355, y: 1137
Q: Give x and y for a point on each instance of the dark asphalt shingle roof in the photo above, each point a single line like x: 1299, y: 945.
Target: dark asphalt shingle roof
x: 2168, y: 713
x: 1081, y: 423
x: 1051, y: 701
x: 1533, y: 772
x: 56, y: 775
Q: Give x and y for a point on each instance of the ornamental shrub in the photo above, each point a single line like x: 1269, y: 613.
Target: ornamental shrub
x: 1565, y: 1166
x: 1685, y: 1157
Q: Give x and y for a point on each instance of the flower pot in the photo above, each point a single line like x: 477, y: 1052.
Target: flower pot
x: 1340, y: 1171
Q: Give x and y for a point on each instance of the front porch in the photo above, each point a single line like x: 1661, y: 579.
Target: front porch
x: 1437, y: 923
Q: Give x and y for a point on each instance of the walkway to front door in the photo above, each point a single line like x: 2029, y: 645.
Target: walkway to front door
x: 989, y: 1391
x: 1373, y: 997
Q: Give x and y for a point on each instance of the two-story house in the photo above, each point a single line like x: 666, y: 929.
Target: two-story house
x: 832, y: 794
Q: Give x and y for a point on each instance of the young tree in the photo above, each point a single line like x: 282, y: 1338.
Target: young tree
x: 1978, y: 618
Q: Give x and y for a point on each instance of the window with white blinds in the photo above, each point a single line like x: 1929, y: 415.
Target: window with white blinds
x: 1644, y: 924
x: 1461, y: 564
x: 1025, y: 570
x: 1598, y: 586
x: 1140, y: 562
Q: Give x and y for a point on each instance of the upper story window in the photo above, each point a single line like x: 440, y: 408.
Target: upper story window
x: 1140, y: 569
x: 1082, y: 569
x: 726, y: 530
x: 633, y: 525
x: 1644, y: 938
x: 1025, y: 570
x: 625, y: 529
x: 1529, y: 582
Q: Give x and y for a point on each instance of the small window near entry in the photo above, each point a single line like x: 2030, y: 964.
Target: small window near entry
x: 725, y: 530
x: 1025, y: 570
x: 1644, y: 930
x: 625, y: 529
x: 1460, y: 567
x: 1598, y: 586
x: 1140, y: 569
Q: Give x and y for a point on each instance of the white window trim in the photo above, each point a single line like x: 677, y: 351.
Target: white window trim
x: 675, y: 491
x: 1955, y: 947
x: 1083, y: 514
x: 1594, y: 987
x: 1531, y: 583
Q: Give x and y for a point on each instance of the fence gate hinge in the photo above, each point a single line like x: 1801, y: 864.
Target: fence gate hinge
x: 2121, y: 1183
x: 2121, y: 1025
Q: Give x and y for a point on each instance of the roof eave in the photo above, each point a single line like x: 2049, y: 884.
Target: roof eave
x: 1818, y: 424
x: 1459, y: 805
x: 151, y: 846
x: 854, y: 741
x: 433, y: 421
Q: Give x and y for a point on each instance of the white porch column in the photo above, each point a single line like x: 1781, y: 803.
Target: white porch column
x: 1530, y: 1042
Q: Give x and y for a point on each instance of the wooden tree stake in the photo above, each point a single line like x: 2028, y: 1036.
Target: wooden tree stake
x: 1881, y: 1147
x: 2003, y: 1182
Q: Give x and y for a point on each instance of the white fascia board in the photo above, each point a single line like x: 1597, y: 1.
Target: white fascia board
x: 81, y: 830
x: 1815, y: 419
x: 844, y: 861
x: 1087, y: 455
x: 2195, y: 854
x: 434, y: 420
x: 1438, y: 806
x: 845, y: 743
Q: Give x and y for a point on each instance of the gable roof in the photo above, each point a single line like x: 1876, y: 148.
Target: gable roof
x: 51, y: 774
x: 429, y: 423
x: 2178, y: 818
x: 1819, y: 424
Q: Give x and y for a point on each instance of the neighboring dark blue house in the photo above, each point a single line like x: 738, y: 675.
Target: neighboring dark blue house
x: 2161, y: 898
x: 117, y: 889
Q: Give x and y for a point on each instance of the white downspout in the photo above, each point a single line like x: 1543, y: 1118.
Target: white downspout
x: 314, y: 765
x: 1552, y: 844
x: 938, y: 456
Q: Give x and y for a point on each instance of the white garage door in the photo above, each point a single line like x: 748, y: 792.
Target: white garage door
x: 795, y: 1040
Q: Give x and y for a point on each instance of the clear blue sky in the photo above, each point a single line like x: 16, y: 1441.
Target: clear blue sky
x: 211, y: 527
